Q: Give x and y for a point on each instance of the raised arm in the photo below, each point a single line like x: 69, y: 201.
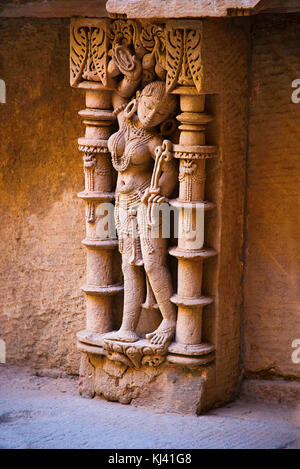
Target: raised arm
x: 123, y: 62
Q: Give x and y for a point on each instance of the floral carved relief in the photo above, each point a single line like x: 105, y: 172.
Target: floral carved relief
x: 168, y: 53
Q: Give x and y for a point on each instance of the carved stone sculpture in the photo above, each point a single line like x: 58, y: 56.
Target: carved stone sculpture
x: 149, y: 74
x: 134, y: 148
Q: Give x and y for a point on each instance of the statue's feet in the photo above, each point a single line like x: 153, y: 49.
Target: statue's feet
x: 163, y: 334
x: 122, y: 336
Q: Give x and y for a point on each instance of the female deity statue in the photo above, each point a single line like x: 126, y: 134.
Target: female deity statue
x: 134, y: 149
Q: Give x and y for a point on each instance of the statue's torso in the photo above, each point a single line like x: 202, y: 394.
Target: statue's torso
x: 131, y: 156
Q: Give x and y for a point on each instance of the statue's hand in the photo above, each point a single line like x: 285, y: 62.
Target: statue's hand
x: 129, y: 65
x: 146, y: 195
x: 157, y: 199
x: 167, y: 152
x: 153, y: 196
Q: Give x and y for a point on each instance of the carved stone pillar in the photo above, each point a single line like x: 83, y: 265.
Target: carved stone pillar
x: 100, y: 286
x: 192, y: 152
x: 88, y: 57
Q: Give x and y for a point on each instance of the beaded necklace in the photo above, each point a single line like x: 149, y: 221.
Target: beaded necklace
x: 132, y: 132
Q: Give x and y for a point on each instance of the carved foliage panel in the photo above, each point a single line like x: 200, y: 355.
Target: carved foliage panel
x: 88, y: 53
x: 170, y: 52
x: 183, y: 57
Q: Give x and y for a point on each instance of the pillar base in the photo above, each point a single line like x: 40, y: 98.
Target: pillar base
x: 168, y: 387
x: 173, y: 379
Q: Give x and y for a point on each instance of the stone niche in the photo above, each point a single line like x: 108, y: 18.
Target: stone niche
x: 165, y: 122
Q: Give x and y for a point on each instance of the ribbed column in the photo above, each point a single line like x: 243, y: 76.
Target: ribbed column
x: 190, y: 252
x: 100, y: 286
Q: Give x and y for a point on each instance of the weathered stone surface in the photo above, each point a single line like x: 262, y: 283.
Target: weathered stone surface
x: 97, y: 8
x: 52, y: 8
x: 272, y: 391
x: 86, y: 379
x: 176, y: 8
x: 272, y: 300
x: 165, y: 388
x: 42, y: 259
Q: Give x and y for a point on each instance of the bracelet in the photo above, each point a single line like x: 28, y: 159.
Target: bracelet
x: 120, y: 109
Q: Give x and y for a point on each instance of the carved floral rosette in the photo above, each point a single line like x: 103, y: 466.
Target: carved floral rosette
x: 135, y: 354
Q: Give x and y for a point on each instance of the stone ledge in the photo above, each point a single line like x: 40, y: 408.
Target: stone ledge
x: 176, y: 8
x: 136, y: 354
x: 278, y: 391
x: 137, y: 9
x: 53, y: 9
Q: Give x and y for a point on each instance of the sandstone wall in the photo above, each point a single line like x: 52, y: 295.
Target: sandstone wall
x: 272, y: 319
x: 42, y: 261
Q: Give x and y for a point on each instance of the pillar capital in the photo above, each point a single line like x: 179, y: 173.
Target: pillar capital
x: 171, y: 50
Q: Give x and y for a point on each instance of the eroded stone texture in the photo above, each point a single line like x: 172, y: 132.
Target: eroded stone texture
x: 42, y: 262
x: 176, y: 8
x: 272, y: 318
x: 274, y: 391
x: 166, y: 388
x: 138, y: 8
x: 52, y: 8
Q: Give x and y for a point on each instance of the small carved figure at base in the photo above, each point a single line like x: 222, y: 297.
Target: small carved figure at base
x: 122, y: 336
x: 163, y: 334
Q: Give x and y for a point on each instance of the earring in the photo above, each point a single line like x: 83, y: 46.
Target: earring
x: 130, y: 109
x: 168, y: 127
